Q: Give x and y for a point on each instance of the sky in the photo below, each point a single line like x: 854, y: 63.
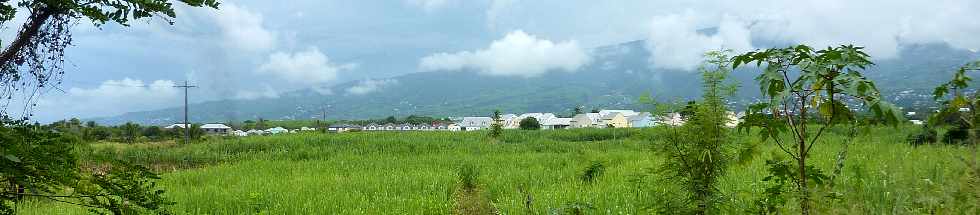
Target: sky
x: 250, y: 49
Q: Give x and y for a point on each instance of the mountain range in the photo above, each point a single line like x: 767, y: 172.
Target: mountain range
x: 616, y: 76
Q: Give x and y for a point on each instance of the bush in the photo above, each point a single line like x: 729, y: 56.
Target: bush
x: 468, y: 177
x: 593, y: 171
x: 956, y: 135
x: 926, y: 135
x: 530, y: 123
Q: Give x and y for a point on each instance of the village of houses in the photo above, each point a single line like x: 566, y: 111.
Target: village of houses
x: 547, y: 121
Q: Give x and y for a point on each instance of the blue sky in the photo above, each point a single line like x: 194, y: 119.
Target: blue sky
x: 253, y: 49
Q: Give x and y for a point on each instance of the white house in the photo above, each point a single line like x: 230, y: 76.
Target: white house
x: 339, y: 128
x: 304, y: 128
x: 255, y: 132
x: 216, y: 129
x: 509, y: 121
x: 475, y: 123
x: 276, y: 130
x: 239, y: 133
x: 454, y: 127
x: 671, y: 119
x: 916, y: 122
x: 175, y: 125
x: 626, y: 113
x: 556, y: 123
x: 734, y: 119
x: 586, y: 120
x: 641, y: 120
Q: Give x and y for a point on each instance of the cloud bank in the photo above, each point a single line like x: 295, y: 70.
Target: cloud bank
x: 517, y: 54
x: 675, y: 43
x: 266, y: 92
x: 243, y: 29
x: 112, y: 97
x: 370, y: 86
x: 305, y: 67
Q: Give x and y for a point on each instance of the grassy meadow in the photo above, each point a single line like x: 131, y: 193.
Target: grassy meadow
x: 524, y: 172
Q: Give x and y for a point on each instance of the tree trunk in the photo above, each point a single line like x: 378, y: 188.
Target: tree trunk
x: 804, y: 192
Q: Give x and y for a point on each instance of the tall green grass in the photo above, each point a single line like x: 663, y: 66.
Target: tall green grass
x: 417, y: 172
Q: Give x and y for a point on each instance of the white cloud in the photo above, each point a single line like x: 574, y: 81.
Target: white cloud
x: 674, y: 42
x: 496, y: 9
x: 370, y: 86
x: 266, y: 92
x: 112, y: 97
x: 517, y: 54
x: 429, y: 5
x: 243, y: 29
x: 882, y: 26
x: 322, y: 90
x: 306, y: 67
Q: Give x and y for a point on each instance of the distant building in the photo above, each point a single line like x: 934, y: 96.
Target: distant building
x: 670, y: 119
x: 615, y: 120
x: 175, y: 125
x: 440, y: 126
x: 510, y: 121
x: 255, y: 132
x: 475, y: 123
x: 239, y: 133
x: 626, y: 113
x: 276, y: 130
x: 916, y: 122
x: 304, y: 128
x: 216, y: 129
x: 734, y: 119
x: 556, y: 123
x: 641, y: 120
x: 454, y: 127
x: 586, y: 120
x: 340, y: 128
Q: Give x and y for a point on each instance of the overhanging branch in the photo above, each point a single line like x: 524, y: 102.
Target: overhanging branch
x: 27, y: 33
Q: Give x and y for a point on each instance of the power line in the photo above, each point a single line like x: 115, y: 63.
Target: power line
x: 187, y: 127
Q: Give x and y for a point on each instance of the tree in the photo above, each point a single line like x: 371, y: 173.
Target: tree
x: 530, y: 123
x: 954, y: 97
x: 698, y: 152
x: 578, y: 110
x: 496, y: 127
x: 689, y: 109
x: 800, y: 83
x: 260, y: 125
x: 391, y: 119
x: 153, y: 132
x: 130, y: 131
x: 40, y: 163
x: 595, y: 110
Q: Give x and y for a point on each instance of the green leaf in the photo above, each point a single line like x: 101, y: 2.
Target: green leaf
x: 13, y: 158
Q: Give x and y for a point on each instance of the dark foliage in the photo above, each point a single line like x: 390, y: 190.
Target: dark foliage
x: 530, y: 123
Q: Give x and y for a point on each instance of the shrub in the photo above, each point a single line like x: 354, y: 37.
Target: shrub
x: 593, y: 171
x: 926, y: 135
x: 530, y: 123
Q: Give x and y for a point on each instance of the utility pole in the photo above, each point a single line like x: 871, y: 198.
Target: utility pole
x: 187, y: 126
x: 323, y: 116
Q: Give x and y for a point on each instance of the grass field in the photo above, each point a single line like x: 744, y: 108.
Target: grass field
x: 524, y: 172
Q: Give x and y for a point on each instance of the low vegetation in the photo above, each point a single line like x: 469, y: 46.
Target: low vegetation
x: 537, y: 171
